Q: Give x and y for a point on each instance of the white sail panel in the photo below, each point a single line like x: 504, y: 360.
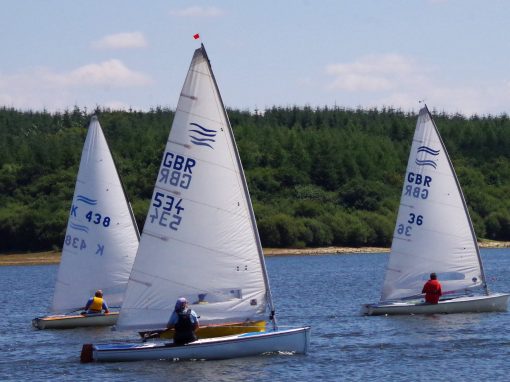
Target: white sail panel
x: 199, y: 240
x: 433, y: 232
x: 101, y: 238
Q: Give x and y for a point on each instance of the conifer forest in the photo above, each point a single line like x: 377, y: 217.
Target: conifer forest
x: 317, y: 177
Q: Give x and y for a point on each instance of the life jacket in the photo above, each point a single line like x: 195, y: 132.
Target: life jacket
x: 432, y: 290
x: 97, y: 304
x: 184, y: 328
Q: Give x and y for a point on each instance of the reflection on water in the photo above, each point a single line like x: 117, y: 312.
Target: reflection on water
x: 325, y: 292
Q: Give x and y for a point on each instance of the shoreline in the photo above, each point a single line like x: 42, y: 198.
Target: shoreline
x: 53, y: 257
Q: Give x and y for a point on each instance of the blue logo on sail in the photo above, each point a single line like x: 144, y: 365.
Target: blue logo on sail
x: 202, y: 136
x: 79, y: 227
x: 84, y: 199
x: 427, y: 162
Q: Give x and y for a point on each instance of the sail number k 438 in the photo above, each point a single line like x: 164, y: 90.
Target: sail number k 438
x: 97, y: 218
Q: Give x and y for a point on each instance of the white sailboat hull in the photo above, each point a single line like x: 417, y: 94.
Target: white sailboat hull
x: 64, y: 321
x: 433, y: 234
x: 243, y: 345
x: 494, y: 302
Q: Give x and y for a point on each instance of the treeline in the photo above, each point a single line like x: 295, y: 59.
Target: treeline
x: 317, y: 177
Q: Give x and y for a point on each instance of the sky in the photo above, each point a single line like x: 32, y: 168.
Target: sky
x: 131, y: 54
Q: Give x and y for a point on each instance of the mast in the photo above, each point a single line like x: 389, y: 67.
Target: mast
x: 466, y: 210
x: 247, y: 195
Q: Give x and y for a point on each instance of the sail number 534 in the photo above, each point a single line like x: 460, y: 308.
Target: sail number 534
x: 167, y: 204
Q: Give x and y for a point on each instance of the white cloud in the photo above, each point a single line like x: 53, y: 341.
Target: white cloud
x: 116, y: 105
x: 121, y: 41
x: 110, y: 73
x: 44, y: 88
x: 400, y: 81
x: 197, y: 11
x: 467, y: 99
x: 371, y: 73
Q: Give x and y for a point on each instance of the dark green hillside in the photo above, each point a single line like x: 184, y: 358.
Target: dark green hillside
x: 317, y: 177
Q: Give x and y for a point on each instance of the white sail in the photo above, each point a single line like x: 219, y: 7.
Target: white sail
x: 101, y: 238
x: 200, y: 239
x: 433, y: 232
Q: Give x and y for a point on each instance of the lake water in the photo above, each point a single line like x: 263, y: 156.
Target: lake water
x: 325, y: 292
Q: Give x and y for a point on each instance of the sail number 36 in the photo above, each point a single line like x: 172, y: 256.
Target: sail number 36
x: 406, y: 229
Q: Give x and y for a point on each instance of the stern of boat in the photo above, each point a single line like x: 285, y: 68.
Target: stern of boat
x: 35, y: 323
x: 308, y: 333
x: 366, y: 309
x: 86, y: 355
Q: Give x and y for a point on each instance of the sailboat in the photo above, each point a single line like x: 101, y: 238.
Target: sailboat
x: 100, y: 242
x: 433, y: 234
x: 200, y: 241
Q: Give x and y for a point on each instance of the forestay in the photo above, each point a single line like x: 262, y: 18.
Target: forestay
x: 433, y: 232
x: 200, y: 240
x: 101, y: 237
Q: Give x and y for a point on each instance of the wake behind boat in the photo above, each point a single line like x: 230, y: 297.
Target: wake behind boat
x: 100, y: 242
x: 200, y: 241
x: 434, y: 233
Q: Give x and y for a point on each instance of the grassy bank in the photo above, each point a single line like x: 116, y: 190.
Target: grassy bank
x: 38, y: 258
x: 53, y: 257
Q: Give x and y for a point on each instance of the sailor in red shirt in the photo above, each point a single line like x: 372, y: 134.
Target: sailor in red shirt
x: 432, y: 290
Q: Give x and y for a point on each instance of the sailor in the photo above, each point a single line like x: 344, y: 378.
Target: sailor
x: 432, y: 290
x: 184, y: 321
x: 201, y: 299
x: 96, y: 304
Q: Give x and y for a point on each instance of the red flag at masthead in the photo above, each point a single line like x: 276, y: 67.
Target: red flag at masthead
x: 196, y: 36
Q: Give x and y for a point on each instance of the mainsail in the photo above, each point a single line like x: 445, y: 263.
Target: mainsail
x: 433, y: 232
x: 200, y: 239
x: 102, y: 237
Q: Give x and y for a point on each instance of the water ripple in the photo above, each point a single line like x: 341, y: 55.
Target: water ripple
x: 325, y: 292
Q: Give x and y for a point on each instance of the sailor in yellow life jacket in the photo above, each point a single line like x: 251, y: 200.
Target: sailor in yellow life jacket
x: 96, y: 304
